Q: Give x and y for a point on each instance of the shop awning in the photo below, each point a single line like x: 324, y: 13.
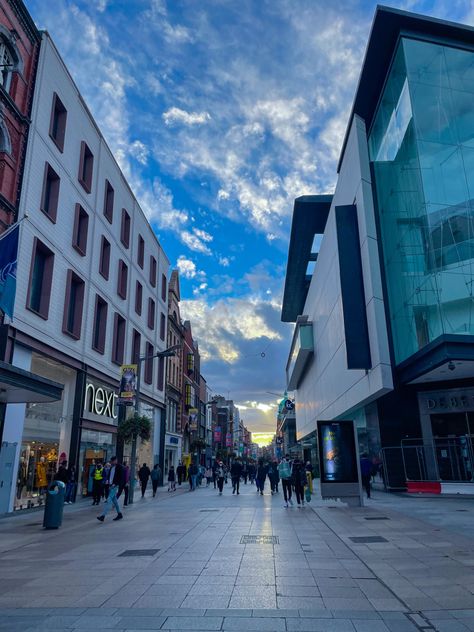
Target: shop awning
x: 18, y: 386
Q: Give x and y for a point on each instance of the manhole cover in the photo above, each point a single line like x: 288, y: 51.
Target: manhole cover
x: 376, y: 518
x: 259, y: 539
x: 369, y: 539
x: 201, y: 510
x: 139, y: 553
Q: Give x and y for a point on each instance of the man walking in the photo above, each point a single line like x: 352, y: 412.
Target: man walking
x: 192, y: 475
x: 144, y: 475
x: 284, y: 470
x: 181, y: 473
x: 117, y: 481
x: 155, y: 478
x: 236, y: 473
x: 366, y: 472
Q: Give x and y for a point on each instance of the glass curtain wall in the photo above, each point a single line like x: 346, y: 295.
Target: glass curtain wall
x: 421, y: 146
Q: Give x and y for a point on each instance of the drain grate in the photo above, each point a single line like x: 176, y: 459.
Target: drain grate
x: 259, y: 539
x: 201, y: 510
x: 139, y: 553
x: 376, y: 518
x: 369, y: 539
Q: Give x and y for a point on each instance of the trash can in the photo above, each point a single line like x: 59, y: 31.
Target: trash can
x: 53, y: 509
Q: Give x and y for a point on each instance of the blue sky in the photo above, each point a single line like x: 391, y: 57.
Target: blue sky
x: 220, y: 113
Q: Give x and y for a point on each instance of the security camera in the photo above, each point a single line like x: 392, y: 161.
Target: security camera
x: 451, y: 366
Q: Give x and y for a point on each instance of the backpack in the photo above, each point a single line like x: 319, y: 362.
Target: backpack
x: 284, y: 469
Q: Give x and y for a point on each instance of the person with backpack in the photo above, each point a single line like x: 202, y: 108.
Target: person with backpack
x: 155, y: 476
x: 284, y: 470
x: 299, y: 480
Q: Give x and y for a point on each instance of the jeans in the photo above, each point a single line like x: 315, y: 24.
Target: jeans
x: 143, y: 486
x: 155, y: 487
x: 111, y: 500
x: 220, y: 484
x: 286, y: 484
x: 299, y: 491
x: 260, y: 484
x: 235, y: 484
x: 193, y: 482
x: 70, y: 489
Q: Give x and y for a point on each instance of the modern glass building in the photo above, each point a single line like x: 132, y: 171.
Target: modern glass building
x: 390, y: 300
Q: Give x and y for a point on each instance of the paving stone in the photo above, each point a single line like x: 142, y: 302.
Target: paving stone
x: 319, y: 625
x: 141, y: 623
x: 231, y: 612
x: 193, y: 623
x: 266, y: 624
x: 365, y: 625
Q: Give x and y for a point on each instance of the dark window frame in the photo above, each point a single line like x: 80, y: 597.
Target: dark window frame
x: 109, y: 197
x: 99, y: 331
x: 122, y: 279
x: 118, y: 340
x: 104, y: 260
x: 72, y: 322
x: 125, y: 228
x: 46, y: 280
x: 153, y: 270
x: 164, y: 288
x: 148, y: 362
x: 162, y: 326
x: 141, y: 252
x: 136, y: 346
x: 57, y: 124
x: 151, y: 313
x: 138, y: 298
x: 50, y: 193
x: 80, y: 230
x: 160, y: 382
x: 86, y: 167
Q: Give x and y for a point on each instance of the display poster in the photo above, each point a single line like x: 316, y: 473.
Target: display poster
x: 228, y: 440
x: 337, y: 452
x: 128, y: 384
x: 193, y: 419
x: 217, y: 434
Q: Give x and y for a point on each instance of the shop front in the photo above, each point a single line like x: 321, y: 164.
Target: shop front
x: 173, y: 451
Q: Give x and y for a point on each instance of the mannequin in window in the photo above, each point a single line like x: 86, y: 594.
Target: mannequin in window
x: 22, y: 477
x: 41, y: 479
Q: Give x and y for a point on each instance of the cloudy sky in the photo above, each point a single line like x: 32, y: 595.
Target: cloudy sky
x: 220, y: 113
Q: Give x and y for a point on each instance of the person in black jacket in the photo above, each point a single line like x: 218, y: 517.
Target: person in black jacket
x: 117, y: 482
x: 144, y: 475
x: 235, y: 474
x: 262, y: 471
x: 61, y: 474
x: 299, y: 480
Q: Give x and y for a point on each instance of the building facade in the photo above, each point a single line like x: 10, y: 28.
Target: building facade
x: 383, y: 327
x: 91, y: 293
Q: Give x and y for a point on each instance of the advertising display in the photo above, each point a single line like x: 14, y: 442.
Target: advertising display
x: 128, y: 384
x: 217, y: 434
x: 193, y: 419
x: 228, y: 440
x: 337, y: 452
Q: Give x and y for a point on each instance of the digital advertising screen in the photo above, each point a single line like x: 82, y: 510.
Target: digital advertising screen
x: 337, y: 452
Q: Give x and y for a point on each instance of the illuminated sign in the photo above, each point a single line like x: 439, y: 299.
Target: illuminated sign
x: 101, y: 401
x: 337, y: 452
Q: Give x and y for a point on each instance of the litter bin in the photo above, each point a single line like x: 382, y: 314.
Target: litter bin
x: 53, y: 510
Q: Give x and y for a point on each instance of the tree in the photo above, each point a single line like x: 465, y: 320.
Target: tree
x: 133, y: 427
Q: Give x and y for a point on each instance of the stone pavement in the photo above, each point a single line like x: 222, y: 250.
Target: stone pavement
x: 189, y: 562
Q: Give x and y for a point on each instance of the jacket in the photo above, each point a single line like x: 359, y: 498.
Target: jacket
x: 155, y: 474
x: 119, y: 476
x: 236, y: 470
x: 144, y: 473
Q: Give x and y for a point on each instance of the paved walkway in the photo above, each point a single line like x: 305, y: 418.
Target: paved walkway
x: 209, y: 562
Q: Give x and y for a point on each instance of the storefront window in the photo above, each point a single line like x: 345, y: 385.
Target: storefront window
x: 95, y: 447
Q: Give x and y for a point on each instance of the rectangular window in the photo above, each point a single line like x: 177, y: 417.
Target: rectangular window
x: 162, y: 326
x: 86, y: 167
x: 104, y: 263
x: 125, y: 229
x: 118, y: 343
x: 138, y: 298
x: 41, y: 278
x: 151, y: 313
x: 79, y: 234
x: 190, y: 363
x: 148, y: 377
x: 50, y: 195
x: 136, y: 343
x: 109, y: 202
x: 161, y: 373
x: 100, y: 324
x: 122, y: 280
x: 163, y: 287
x: 152, y: 271
x: 57, y: 126
x: 141, y: 251
x: 74, y: 301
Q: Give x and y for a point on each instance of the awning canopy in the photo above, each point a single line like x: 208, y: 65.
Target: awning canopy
x: 18, y: 386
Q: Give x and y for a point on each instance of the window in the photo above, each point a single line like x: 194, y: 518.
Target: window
x: 57, y: 126
x: 41, y: 278
x: 50, y: 196
x: 162, y: 326
x: 190, y: 363
x: 125, y: 229
x: 109, y: 201
x: 148, y: 377
x: 100, y: 324
x: 161, y: 373
x: 6, y: 65
x: 152, y: 271
x: 138, y: 298
x: 72, y: 319
x: 151, y: 313
x: 86, y: 166
x: 118, y: 342
x: 163, y: 287
x: 122, y: 279
x: 141, y: 251
x: 136, y: 343
x: 104, y: 263
x: 79, y: 234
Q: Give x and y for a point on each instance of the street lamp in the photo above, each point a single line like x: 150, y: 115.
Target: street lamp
x: 160, y: 354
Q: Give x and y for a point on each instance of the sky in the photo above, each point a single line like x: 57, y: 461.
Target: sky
x: 220, y: 113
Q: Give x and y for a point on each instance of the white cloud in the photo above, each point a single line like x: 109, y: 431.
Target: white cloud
x: 175, y: 116
x: 224, y: 261
x: 194, y: 242
x: 186, y: 267
x: 139, y: 151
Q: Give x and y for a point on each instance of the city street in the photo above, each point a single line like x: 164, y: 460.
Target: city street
x: 198, y: 561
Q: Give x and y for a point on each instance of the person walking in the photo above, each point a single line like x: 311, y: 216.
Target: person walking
x: 366, y: 472
x: 71, y: 485
x: 209, y: 476
x: 235, y: 474
x: 155, y: 478
x: 97, y: 487
x: 181, y: 472
x: 299, y: 480
x: 220, y: 475
x: 251, y: 471
x: 192, y: 476
x: 61, y: 474
x: 171, y: 479
x: 245, y: 472
x: 144, y: 475
x: 262, y: 471
x: 105, y: 481
x: 284, y: 471
x: 274, y: 477
x: 117, y: 481
x: 126, y: 483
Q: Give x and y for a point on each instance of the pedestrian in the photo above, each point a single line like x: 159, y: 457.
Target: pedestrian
x: 274, y: 477
x: 261, y: 475
x: 71, y: 485
x: 235, y: 474
x: 126, y: 483
x: 214, y: 473
x: 171, y: 479
x: 61, y: 474
x: 284, y: 470
x: 251, y: 470
x: 181, y: 472
x: 209, y: 476
x: 366, y: 472
x: 98, y: 481
x: 245, y: 472
x: 117, y: 481
x: 144, y: 475
x: 220, y: 474
x: 299, y: 480
x: 155, y: 478
x: 192, y: 476
x: 105, y: 481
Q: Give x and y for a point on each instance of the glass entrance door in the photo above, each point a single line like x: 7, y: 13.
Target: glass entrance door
x: 454, y: 443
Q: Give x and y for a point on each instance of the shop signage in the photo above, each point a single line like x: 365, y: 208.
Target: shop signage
x: 100, y: 400
x: 337, y: 452
x: 128, y: 384
x: 228, y: 440
x: 457, y: 402
x: 173, y: 440
x: 193, y: 419
x: 217, y: 434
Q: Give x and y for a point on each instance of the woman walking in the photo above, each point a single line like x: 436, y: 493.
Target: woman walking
x: 209, y: 476
x: 171, y: 479
x: 299, y: 480
x: 220, y: 473
x: 262, y: 472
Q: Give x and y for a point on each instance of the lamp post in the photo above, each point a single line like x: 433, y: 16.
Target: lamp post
x: 160, y: 354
